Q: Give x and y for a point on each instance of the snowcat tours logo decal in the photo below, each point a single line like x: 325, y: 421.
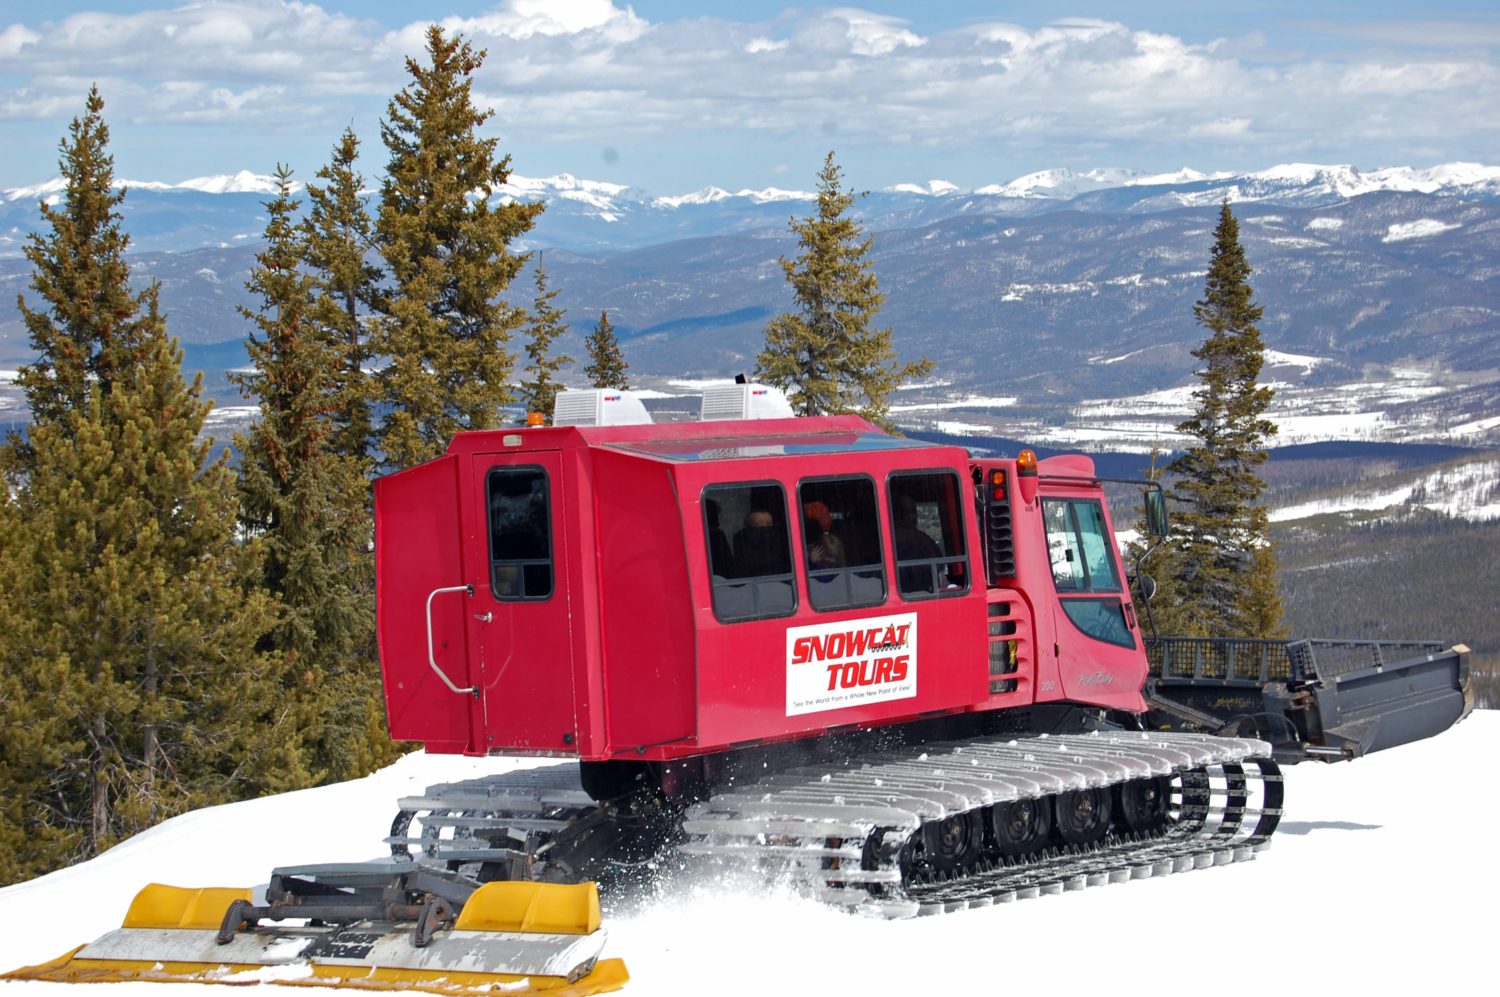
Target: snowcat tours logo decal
x: 831, y: 666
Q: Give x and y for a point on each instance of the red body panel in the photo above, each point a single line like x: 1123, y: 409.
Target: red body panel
x: 417, y: 550
x: 646, y: 639
x: 626, y: 657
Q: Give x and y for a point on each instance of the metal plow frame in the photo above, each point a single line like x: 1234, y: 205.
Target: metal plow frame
x: 509, y: 937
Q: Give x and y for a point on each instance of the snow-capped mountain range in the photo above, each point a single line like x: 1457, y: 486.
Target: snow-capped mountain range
x: 1058, y: 184
x: 586, y: 215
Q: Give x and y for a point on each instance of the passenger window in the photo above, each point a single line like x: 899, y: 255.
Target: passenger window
x: 841, y: 543
x: 749, y: 551
x: 520, y: 518
x: 927, y: 529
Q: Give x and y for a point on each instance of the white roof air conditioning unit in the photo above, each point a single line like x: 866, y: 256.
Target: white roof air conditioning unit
x: 744, y: 401
x: 599, y: 407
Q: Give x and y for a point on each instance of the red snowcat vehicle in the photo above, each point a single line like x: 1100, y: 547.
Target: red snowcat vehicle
x: 902, y: 677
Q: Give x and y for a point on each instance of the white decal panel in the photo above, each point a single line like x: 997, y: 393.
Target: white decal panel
x: 832, y: 666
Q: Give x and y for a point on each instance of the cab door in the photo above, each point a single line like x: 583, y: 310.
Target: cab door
x: 1099, y: 652
x: 520, y: 621
x: 422, y: 608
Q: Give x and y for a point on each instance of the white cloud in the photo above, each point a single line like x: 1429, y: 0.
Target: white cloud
x: 16, y: 37
x: 523, y: 19
x: 876, y: 34
x: 1222, y: 128
x: 215, y: 31
x: 584, y: 70
x: 1406, y: 79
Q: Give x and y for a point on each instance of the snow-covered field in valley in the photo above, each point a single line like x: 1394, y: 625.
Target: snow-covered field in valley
x: 1379, y: 881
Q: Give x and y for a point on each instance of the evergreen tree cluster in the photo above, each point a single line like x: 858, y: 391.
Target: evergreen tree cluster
x: 606, y: 367
x: 182, y: 630
x: 134, y: 686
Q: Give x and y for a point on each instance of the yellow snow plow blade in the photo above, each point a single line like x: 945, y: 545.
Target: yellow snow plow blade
x: 509, y: 938
x: 159, y: 906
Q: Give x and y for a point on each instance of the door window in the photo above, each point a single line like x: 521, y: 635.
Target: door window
x: 1083, y: 565
x: 1078, y: 545
x: 520, y: 522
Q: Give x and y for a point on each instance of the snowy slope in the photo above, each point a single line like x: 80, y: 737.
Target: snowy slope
x: 1354, y: 896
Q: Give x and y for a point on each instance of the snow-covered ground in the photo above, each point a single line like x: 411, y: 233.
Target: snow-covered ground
x: 1389, y: 405
x: 1379, y: 881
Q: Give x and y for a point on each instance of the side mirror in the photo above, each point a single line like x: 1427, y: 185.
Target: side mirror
x: 1147, y: 585
x: 1156, y: 513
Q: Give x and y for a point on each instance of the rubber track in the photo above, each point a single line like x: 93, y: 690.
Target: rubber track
x: 838, y: 833
x: 539, y: 801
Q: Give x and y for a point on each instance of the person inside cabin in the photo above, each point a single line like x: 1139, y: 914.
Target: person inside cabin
x: 824, y: 549
x: 912, y: 544
x: 760, y: 548
x: 721, y: 557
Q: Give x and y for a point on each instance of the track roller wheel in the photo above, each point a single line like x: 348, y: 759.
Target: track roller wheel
x: 1021, y: 826
x: 953, y: 843
x: 1081, y: 816
x: 1141, y: 804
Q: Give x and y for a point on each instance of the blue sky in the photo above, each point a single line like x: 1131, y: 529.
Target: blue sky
x: 674, y: 95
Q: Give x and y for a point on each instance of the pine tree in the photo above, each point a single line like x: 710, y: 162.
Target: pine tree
x: 606, y: 368
x: 338, y: 234
x: 306, y: 502
x: 827, y: 355
x: 445, y: 329
x: 1225, y: 569
x: 130, y: 650
x: 91, y: 329
x: 539, y: 390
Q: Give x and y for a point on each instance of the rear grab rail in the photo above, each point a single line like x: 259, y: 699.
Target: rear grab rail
x: 468, y: 590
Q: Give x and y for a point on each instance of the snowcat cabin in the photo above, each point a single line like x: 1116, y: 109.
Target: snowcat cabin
x: 660, y: 591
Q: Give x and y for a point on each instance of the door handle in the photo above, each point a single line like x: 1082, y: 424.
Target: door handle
x: 431, y: 658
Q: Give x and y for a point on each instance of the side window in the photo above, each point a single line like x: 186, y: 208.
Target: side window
x: 520, y: 515
x: 749, y: 551
x: 1079, y: 546
x: 841, y: 543
x: 927, y: 529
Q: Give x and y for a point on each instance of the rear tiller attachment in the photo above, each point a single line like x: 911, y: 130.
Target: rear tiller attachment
x: 372, y: 926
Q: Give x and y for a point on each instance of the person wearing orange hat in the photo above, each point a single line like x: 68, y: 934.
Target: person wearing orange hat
x: 824, y: 550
